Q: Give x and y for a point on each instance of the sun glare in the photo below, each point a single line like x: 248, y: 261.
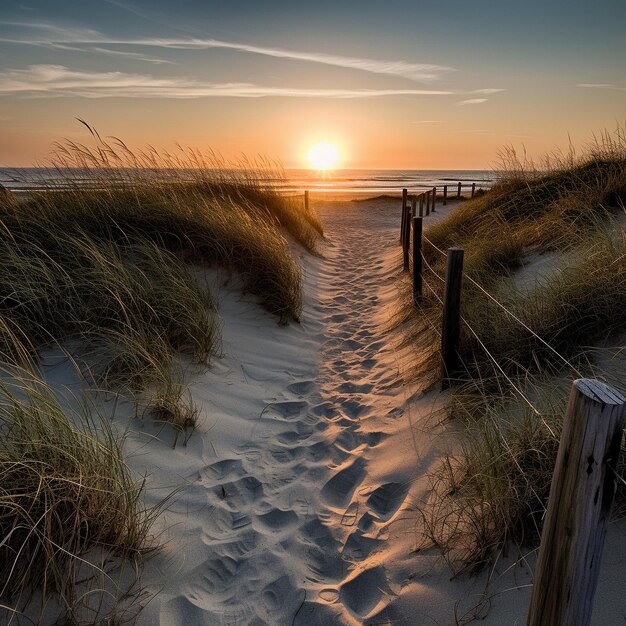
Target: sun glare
x: 323, y: 156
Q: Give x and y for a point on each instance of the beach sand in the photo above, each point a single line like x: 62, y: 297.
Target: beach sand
x: 299, y: 495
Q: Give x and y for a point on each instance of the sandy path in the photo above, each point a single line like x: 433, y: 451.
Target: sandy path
x: 299, y: 492
x: 358, y: 384
x: 298, y: 497
x: 283, y: 503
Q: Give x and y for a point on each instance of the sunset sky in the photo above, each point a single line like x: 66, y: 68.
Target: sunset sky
x: 393, y: 84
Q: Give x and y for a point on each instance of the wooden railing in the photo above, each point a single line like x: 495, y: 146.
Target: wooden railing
x: 584, y: 479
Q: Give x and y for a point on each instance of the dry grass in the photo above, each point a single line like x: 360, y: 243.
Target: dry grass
x: 512, y: 393
x: 105, y: 261
x: 65, y: 491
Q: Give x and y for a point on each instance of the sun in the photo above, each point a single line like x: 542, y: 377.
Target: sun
x: 323, y: 156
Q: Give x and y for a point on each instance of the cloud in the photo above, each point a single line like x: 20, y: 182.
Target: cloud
x: 118, y: 53
x: 37, y: 33
x: 132, y: 55
x: 50, y: 35
x: 486, y: 91
x: 58, y: 80
x: 610, y: 86
x: 488, y: 131
x: 413, y: 71
x: 472, y: 101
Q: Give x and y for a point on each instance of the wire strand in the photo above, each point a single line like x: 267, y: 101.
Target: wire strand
x: 521, y: 323
x: 508, y: 312
x: 428, y: 265
x: 434, y: 293
x: 508, y: 378
x: 434, y: 246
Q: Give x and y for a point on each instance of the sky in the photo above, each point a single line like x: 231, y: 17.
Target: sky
x: 415, y: 84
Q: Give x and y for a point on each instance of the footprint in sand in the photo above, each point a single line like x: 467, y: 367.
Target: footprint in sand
x: 324, y: 409
x: 358, y: 547
x: 301, y: 388
x: 339, y: 489
x: 245, y: 543
x: 240, y: 493
x: 222, y: 524
x: 363, y: 592
x: 287, y: 410
x: 351, y: 387
x: 224, y: 469
x: 387, y: 499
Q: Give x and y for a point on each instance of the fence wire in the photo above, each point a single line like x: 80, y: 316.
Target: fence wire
x: 480, y: 342
x: 503, y: 307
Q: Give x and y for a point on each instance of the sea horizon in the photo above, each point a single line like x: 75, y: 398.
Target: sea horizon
x: 348, y: 180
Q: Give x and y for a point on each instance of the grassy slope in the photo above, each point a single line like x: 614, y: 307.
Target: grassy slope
x: 512, y: 400
x: 112, y: 269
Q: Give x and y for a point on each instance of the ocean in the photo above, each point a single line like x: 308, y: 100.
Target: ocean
x: 382, y: 181
x: 295, y: 181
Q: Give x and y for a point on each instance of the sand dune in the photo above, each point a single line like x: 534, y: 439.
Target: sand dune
x: 299, y: 492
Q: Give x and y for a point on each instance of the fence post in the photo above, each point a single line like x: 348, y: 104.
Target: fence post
x: 473, y: 189
x: 306, y: 201
x: 417, y: 259
x: 445, y: 195
x: 434, y: 198
x: 428, y: 202
x: 407, y: 239
x: 402, y: 220
x: 581, y: 495
x: 458, y: 193
x: 421, y: 205
x: 451, y: 322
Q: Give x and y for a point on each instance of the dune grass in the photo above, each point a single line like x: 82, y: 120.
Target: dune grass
x: 130, y: 303
x: 107, y: 253
x: 105, y: 263
x: 65, y: 491
x: 543, y: 328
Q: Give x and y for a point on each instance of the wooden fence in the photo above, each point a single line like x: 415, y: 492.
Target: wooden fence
x: 584, y: 479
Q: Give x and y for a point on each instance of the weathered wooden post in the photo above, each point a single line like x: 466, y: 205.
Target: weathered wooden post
x: 451, y: 321
x: 402, y: 220
x: 428, y: 202
x: 306, y: 201
x: 434, y: 197
x: 458, y: 193
x: 473, y: 189
x: 407, y: 239
x: 422, y: 205
x: 581, y: 495
x: 445, y: 195
x: 417, y: 259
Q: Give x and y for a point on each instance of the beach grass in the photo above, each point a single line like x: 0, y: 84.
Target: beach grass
x: 65, y: 492
x: 108, y: 263
x: 542, y: 304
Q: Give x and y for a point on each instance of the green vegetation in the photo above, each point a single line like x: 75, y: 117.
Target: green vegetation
x: 108, y: 269
x: 549, y: 247
x: 64, y: 491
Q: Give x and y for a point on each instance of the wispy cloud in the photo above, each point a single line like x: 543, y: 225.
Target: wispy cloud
x: 413, y: 71
x: 486, y: 91
x: 58, y: 80
x: 36, y: 33
x: 50, y: 35
x: 138, y: 56
x: 132, y: 55
x: 610, y: 86
x: 488, y: 131
x: 472, y: 101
